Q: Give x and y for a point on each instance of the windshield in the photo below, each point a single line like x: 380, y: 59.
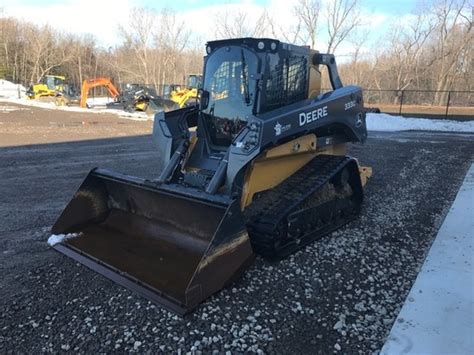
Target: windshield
x: 231, y: 92
x: 51, y: 82
x: 194, y: 81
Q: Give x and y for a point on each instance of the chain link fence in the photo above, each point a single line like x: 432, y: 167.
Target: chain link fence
x: 457, y: 105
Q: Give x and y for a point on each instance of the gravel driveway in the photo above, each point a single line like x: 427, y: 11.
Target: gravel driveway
x: 340, y: 294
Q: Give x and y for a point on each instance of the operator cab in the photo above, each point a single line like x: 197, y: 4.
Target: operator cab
x: 243, y: 79
x: 52, y: 82
x: 248, y: 76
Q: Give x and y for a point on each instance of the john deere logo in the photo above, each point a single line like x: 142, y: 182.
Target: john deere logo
x: 279, y: 129
x: 317, y: 114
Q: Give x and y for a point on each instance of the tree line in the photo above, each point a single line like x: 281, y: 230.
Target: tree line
x: 155, y: 49
x: 432, y: 50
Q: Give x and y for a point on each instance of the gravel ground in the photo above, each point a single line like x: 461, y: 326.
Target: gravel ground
x: 340, y: 294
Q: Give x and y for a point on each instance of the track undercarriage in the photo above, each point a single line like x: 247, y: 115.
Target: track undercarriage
x: 318, y: 199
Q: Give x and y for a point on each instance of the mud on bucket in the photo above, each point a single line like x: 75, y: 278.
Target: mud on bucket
x: 174, y: 249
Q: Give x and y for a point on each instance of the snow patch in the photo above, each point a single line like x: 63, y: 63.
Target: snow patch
x: 10, y: 90
x: 99, y: 101
x: 8, y: 109
x: 136, y: 116
x: 58, y: 238
x: 386, y: 122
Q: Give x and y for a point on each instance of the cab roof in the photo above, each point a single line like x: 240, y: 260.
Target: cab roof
x: 257, y: 44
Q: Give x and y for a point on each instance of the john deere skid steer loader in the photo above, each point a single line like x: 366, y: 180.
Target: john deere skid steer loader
x: 265, y: 171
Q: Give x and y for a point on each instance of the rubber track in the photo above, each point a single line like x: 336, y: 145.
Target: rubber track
x: 272, y: 211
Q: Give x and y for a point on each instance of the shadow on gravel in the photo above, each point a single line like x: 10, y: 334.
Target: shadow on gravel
x: 145, y: 139
x: 117, y: 151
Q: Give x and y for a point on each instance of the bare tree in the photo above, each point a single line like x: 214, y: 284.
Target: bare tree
x: 354, y: 72
x: 453, y: 42
x: 159, y: 42
x: 342, y: 17
x: 138, y: 37
x: 171, y: 40
x: 307, y: 12
x: 229, y: 24
x: 406, y: 47
x: 291, y: 33
x: 46, y: 50
x: 86, y: 61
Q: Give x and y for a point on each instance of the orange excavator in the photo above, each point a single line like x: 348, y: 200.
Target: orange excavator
x: 92, y: 83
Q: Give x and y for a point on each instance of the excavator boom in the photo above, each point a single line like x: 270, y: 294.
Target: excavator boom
x: 92, y: 83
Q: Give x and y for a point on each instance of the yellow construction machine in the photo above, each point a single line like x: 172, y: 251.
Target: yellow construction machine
x: 189, y: 94
x: 260, y: 166
x: 49, y: 85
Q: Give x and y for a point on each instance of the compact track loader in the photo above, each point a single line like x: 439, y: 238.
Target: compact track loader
x: 265, y: 171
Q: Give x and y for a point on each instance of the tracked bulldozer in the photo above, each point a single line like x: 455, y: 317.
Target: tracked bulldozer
x: 260, y: 166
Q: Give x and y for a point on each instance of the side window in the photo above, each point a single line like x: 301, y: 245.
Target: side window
x: 297, y: 77
x: 287, y: 82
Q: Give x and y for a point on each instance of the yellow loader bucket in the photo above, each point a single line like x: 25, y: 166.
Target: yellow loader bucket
x: 176, y: 246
